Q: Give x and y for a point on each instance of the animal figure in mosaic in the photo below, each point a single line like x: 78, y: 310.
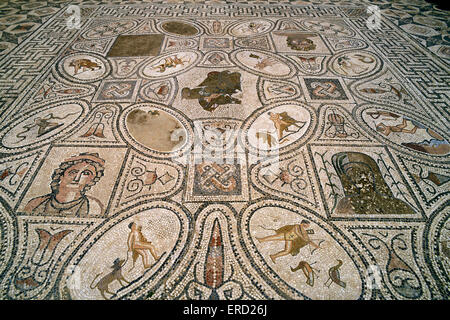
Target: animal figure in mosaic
x: 407, y: 125
x: 366, y: 191
x: 308, y: 271
x: 348, y: 66
x: 83, y: 64
x: 385, y: 88
x: 70, y: 182
x: 50, y: 91
x: 171, y: 62
x: 295, y: 237
x: 253, y: 28
x: 217, y: 89
x: 265, y: 62
x: 114, y: 275
x: 44, y: 125
x: 282, y: 122
x: 335, y: 276
x: 180, y: 43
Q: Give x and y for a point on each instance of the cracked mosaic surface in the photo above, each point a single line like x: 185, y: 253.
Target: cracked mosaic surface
x: 224, y: 150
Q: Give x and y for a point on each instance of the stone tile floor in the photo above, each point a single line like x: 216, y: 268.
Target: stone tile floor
x: 224, y: 150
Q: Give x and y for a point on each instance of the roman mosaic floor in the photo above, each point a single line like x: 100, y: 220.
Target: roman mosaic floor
x: 224, y: 150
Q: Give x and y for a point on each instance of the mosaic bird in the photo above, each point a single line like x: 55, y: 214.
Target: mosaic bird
x: 335, y: 276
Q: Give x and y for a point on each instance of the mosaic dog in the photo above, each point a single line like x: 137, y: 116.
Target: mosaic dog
x: 115, y: 274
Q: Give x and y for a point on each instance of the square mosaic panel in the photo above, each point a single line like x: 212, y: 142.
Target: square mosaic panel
x: 323, y: 135
x: 136, y: 45
x: 117, y: 91
x: 325, y: 90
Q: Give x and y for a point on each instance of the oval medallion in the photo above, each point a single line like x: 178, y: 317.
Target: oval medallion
x: 254, y: 27
x: 180, y: 28
x: 156, y: 129
x: 84, y: 68
x: 405, y: 132
x: 300, y: 250
x: 279, y: 127
x: 43, y: 125
x: 355, y: 64
x: 142, y: 246
x: 170, y: 64
x: 263, y: 63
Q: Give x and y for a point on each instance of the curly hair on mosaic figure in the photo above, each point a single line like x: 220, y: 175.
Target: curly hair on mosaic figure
x: 63, y: 166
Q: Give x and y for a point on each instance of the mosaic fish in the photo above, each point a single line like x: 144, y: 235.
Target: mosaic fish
x: 214, y: 259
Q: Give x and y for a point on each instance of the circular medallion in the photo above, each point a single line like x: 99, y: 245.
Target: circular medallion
x: 404, y: 131
x: 278, y: 128
x: 179, y: 28
x: 42, y: 126
x: 156, y: 129
x: 354, y: 64
x: 170, y: 64
x: 84, y: 68
x: 263, y: 63
x: 253, y: 27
